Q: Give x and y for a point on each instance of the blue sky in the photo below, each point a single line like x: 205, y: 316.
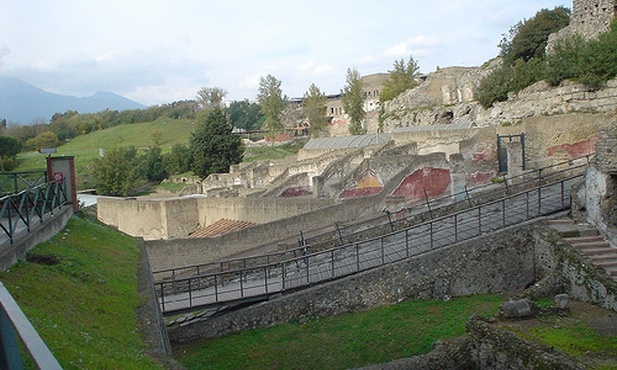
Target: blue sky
x: 156, y: 51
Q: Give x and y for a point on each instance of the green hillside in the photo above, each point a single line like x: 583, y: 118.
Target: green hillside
x: 86, y: 147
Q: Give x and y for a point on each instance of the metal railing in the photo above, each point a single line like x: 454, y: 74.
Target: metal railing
x: 19, y: 212
x: 14, y: 182
x: 389, y: 222
x: 13, y: 325
x: 259, y: 281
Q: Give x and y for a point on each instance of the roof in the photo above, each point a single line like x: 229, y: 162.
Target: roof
x: 453, y: 126
x: 345, y: 142
x: 220, y: 227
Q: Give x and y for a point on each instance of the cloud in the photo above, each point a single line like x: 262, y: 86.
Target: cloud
x: 311, y: 69
x: 420, y: 44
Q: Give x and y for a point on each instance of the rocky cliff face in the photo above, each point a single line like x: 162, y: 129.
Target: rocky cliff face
x: 447, y: 96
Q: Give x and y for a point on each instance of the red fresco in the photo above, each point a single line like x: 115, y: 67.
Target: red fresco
x: 279, y: 137
x: 295, y: 192
x: 434, y: 180
x: 575, y: 150
x: 481, y: 177
x: 482, y: 156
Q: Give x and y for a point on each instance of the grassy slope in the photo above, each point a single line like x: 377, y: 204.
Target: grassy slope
x: 86, y: 147
x: 84, y: 307
x: 341, y: 342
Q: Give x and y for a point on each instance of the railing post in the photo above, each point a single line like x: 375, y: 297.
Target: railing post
x: 467, y: 196
x: 241, y: 285
x: 357, y: 257
x: 282, y: 275
x: 266, y: 278
x: 190, y: 294
x: 162, y: 285
x: 428, y: 203
x: 216, y: 289
x: 407, y: 243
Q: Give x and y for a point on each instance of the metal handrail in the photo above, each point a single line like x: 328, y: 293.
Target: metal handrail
x: 14, y: 182
x: 237, y: 284
x: 19, y: 212
x: 403, y: 218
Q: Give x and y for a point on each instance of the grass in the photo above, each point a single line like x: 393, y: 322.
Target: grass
x: 341, y: 342
x: 84, y: 306
x: 86, y: 147
x: 271, y: 152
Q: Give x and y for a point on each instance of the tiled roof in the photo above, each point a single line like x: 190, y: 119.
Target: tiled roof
x: 220, y: 227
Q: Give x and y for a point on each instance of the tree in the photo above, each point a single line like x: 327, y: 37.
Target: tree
x: 151, y: 165
x: 178, y: 160
x: 115, y: 173
x: 402, y: 78
x: 211, y: 97
x: 45, y: 139
x: 352, y: 98
x: 314, y: 109
x: 272, y: 102
x: 244, y: 114
x: 213, y: 147
x: 529, y: 37
x: 9, y: 148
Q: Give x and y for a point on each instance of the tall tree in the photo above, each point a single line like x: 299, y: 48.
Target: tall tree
x: 211, y: 97
x: 213, y: 147
x: 401, y: 78
x: 314, y: 109
x: 116, y: 172
x: 9, y: 148
x: 272, y: 102
x: 244, y: 114
x: 528, y: 39
x: 352, y: 97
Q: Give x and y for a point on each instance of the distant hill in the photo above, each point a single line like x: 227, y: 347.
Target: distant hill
x: 21, y: 102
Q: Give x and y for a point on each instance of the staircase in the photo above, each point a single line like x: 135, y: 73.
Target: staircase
x: 586, y: 240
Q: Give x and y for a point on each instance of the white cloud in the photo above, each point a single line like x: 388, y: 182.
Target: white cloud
x: 420, y: 44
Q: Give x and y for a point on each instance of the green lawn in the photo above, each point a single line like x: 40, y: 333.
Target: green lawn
x: 84, y: 307
x: 341, y: 342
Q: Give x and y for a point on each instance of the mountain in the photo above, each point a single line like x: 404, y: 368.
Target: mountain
x: 22, y: 103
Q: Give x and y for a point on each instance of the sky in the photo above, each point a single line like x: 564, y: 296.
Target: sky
x: 161, y: 51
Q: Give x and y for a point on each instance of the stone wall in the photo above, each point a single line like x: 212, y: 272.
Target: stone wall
x: 503, y: 261
x: 589, y: 19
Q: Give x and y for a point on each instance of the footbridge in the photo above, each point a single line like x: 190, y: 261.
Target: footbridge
x: 370, y: 244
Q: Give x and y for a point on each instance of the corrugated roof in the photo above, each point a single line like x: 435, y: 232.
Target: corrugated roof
x: 220, y: 227
x: 345, y: 142
x: 453, y: 126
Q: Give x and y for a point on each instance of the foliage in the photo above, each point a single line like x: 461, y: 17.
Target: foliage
x: 45, y: 139
x: 272, y: 102
x: 83, y: 306
x: 591, y: 63
x: 211, y: 97
x: 245, y: 115
x: 151, y: 165
x: 213, y: 147
x: 510, y: 79
x: 402, y: 78
x: 115, y: 173
x: 178, y: 160
x: 9, y: 147
x: 342, y: 342
x: 314, y: 109
x: 528, y: 39
x: 352, y: 98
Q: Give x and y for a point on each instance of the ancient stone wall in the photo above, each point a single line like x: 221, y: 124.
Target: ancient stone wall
x: 589, y: 19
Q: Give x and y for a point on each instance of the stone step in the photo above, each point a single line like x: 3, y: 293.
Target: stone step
x: 611, y: 264
x: 592, y: 245
x: 584, y: 239
x: 605, y: 258
x: 561, y: 221
x: 598, y: 251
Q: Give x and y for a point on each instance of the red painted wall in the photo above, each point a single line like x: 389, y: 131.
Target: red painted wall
x: 575, y: 150
x: 298, y: 191
x: 434, y: 180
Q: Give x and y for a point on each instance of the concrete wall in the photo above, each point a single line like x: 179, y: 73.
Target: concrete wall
x: 173, y: 218
x: 502, y: 261
x: 165, y: 254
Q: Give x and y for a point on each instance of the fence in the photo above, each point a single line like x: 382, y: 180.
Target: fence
x: 259, y: 281
x: 389, y: 222
x: 20, y: 211
x: 14, y: 182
